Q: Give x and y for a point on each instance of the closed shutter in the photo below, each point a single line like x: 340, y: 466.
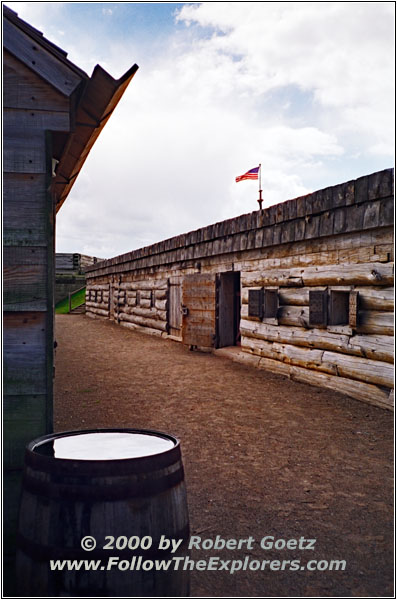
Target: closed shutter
x: 271, y: 304
x: 353, y: 309
x: 318, y: 307
x: 255, y: 303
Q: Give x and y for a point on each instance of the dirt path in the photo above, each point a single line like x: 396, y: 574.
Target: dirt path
x: 263, y: 456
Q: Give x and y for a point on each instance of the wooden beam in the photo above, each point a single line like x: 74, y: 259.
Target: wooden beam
x: 39, y: 59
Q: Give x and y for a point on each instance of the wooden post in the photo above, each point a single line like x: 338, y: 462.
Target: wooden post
x: 70, y: 303
x: 260, y: 200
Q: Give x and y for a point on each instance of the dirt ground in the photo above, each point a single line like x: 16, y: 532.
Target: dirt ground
x: 263, y: 456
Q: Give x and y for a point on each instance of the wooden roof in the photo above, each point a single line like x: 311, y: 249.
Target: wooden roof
x: 93, y: 98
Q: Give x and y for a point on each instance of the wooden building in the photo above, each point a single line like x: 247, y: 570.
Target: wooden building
x: 303, y: 288
x: 68, y: 262
x: 70, y: 273
x: 53, y: 113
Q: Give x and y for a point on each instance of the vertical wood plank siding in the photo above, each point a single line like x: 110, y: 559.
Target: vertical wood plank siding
x: 335, y: 240
x: 32, y: 107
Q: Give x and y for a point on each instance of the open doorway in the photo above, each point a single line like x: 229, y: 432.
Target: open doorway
x: 228, y: 309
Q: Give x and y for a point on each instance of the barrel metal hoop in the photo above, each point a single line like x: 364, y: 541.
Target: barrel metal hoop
x: 42, y: 553
x: 113, y: 491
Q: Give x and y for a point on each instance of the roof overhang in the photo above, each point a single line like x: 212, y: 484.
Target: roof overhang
x: 92, y: 99
x: 96, y: 103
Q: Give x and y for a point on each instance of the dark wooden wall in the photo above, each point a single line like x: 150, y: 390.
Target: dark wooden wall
x: 31, y: 108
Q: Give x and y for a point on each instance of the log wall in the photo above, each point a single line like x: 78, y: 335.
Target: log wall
x: 65, y: 262
x: 336, y: 242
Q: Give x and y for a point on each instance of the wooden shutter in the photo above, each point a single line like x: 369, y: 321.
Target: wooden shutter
x: 255, y: 303
x: 270, y: 304
x: 138, y: 298
x: 175, y: 307
x: 338, y: 308
x: 318, y: 307
x: 353, y: 309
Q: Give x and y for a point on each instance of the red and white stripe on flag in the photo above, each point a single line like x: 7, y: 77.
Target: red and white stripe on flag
x: 251, y: 174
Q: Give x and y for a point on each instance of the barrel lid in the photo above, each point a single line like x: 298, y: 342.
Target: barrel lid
x: 103, y: 446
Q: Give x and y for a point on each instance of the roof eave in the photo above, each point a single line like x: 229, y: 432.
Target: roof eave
x: 96, y: 103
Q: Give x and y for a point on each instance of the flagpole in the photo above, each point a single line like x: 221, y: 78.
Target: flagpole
x: 260, y: 200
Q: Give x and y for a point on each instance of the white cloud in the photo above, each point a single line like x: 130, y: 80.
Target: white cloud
x: 295, y: 86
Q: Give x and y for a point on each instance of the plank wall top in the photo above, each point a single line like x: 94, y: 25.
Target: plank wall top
x: 361, y: 204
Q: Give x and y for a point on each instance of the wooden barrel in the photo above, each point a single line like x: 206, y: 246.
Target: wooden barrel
x: 122, y: 487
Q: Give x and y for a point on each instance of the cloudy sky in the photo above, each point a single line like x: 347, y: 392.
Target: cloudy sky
x: 304, y: 88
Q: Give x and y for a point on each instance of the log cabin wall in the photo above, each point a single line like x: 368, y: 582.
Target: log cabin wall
x: 316, y: 278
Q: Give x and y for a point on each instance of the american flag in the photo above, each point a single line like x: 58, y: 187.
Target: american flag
x: 251, y: 174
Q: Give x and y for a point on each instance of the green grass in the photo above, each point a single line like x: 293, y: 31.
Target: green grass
x: 77, y: 299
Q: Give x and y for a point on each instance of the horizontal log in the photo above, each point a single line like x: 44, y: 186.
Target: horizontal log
x: 361, y: 369
x: 293, y: 315
x: 149, y: 284
x: 102, y: 305
x: 141, y: 329
x: 296, y: 355
x: 145, y: 303
x: 371, y: 298
x: 372, y: 394
x: 150, y: 313
x: 144, y: 258
x: 161, y: 304
x: 374, y: 273
x: 370, y: 346
x: 145, y: 294
x: 272, y: 277
x: 161, y: 294
x: 317, y: 254
x: 138, y: 320
x: 377, y: 347
x: 376, y: 322
x: 97, y: 311
x: 294, y: 296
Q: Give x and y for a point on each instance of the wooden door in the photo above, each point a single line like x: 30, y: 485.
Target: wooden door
x: 198, y: 311
x: 175, y: 307
x: 228, y: 308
